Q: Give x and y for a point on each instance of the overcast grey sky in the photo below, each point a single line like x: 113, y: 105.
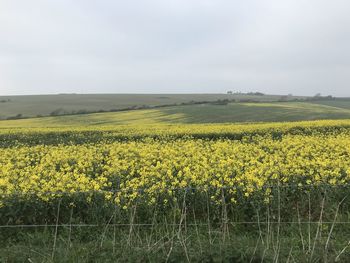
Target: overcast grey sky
x: 175, y: 46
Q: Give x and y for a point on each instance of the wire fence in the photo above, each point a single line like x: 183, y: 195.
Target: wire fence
x: 313, y: 218
x: 172, y: 224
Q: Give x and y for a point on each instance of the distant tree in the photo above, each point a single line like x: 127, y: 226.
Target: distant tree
x: 18, y: 116
x: 57, y: 112
x: 256, y: 93
x: 229, y: 92
x: 82, y: 111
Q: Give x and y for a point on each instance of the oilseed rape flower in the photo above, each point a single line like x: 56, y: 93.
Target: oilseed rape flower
x: 140, y: 164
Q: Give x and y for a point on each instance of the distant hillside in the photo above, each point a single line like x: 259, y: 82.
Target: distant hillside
x: 197, y: 113
x: 14, y: 107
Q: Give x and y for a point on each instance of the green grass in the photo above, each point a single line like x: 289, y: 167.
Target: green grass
x: 173, y: 245
x: 198, y: 113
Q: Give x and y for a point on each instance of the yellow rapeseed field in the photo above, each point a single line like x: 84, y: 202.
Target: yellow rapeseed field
x: 130, y: 163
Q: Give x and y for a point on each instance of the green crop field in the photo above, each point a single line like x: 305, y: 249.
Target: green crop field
x: 338, y: 103
x: 258, y: 112
x: 44, y: 105
x: 199, y: 113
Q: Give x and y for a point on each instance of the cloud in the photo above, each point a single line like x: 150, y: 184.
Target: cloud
x: 174, y: 46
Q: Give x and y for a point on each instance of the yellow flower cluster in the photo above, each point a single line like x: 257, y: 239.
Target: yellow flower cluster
x: 146, y: 168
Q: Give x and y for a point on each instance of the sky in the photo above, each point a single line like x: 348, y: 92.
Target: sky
x: 175, y: 46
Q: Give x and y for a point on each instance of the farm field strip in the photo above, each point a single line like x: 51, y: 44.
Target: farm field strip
x: 154, y: 160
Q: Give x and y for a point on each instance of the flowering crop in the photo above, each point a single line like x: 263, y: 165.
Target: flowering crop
x: 128, y: 164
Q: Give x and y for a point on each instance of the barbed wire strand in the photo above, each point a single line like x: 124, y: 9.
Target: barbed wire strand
x: 172, y: 224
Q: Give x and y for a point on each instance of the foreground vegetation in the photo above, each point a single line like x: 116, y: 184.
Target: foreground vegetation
x: 247, y: 193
